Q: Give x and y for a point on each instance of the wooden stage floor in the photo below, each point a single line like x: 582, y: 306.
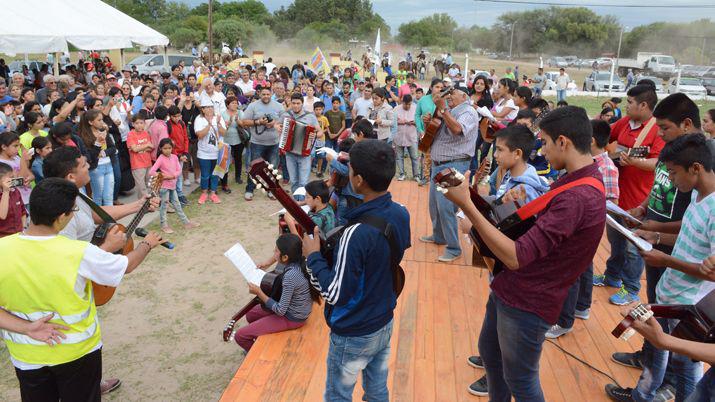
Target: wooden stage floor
x: 437, y: 322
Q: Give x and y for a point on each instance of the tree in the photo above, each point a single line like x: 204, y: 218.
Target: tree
x: 435, y: 30
x: 183, y: 37
x: 231, y: 31
x: 355, y: 15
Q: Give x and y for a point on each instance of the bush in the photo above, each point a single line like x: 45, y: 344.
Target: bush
x: 183, y: 37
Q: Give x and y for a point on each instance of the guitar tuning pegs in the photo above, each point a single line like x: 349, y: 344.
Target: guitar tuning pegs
x: 275, y: 172
x: 263, y: 190
x: 441, y: 189
x: 459, y: 176
x: 270, y: 166
x: 279, y: 177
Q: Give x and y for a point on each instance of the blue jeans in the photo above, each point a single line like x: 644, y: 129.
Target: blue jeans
x: 560, y: 95
x: 283, y: 166
x: 686, y: 372
x: 299, y: 171
x: 180, y: 183
x: 209, y: 181
x: 117, y: 176
x: 510, y: 345
x: 705, y: 390
x: 412, y: 150
x: 269, y: 153
x: 579, y: 298
x: 348, y: 356
x: 102, y: 181
x: 170, y: 196
x: 624, y: 263
x: 444, y: 213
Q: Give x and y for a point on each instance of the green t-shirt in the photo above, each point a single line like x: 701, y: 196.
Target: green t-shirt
x: 335, y: 120
x: 27, y: 137
x: 325, y: 219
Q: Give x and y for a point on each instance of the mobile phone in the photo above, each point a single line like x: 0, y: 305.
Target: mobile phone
x: 17, y: 182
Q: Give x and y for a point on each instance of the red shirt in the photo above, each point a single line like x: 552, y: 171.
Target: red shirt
x: 634, y: 184
x: 139, y: 160
x: 556, y: 250
x: 179, y: 137
x: 15, y: 211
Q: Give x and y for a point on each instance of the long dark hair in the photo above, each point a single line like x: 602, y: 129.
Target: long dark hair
x: 486, y: 96
x: 290, y: 245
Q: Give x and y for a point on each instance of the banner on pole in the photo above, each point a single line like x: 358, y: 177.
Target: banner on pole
x: 318, y: 61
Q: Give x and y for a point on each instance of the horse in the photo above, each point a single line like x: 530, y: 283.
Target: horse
x: 440, y: 68
x: 418, y: 68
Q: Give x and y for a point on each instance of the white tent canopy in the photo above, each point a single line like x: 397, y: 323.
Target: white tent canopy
x: 47, y: 26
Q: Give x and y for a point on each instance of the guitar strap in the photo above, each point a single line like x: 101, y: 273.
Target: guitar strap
x: 97, y: 209
x: 644, y: 132
x: 538, y: 204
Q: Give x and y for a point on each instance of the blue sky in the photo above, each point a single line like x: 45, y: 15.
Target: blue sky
x: 468, y: 12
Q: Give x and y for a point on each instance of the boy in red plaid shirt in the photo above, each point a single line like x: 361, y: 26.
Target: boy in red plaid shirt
x: 578, y: 302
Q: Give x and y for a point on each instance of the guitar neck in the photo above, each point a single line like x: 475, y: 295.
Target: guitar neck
x: 134, y: 224
x: 294, y: 209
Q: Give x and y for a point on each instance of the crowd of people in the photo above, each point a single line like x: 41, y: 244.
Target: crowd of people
x: 72, y: 143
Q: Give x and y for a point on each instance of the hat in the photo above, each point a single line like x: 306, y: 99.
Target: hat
x: 111, y: 77
x: 361, y: 81
x: 154, y: 73
x: 165, y: 75
x: 181, y: 76
x: 206, y: 102
x: 463, y: 89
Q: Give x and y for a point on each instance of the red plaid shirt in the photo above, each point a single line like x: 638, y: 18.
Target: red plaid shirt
x: 609, y: 171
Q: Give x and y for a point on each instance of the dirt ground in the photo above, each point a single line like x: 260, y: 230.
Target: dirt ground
x: 162, y: 330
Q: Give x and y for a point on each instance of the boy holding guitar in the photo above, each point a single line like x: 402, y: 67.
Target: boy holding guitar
x: 542, y: 264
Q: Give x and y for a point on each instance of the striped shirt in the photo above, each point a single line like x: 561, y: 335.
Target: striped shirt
x: 609, y: 171
x: 696, y: 241
x: 449, y: 146
x: 295, y: 303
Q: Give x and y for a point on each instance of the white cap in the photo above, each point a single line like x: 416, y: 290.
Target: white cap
x: 205, y: 101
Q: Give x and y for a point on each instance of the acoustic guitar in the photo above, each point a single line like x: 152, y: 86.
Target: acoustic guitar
x: 635, y: 152
x: 696, y: 322
x: 432, y: 128
x: 269, y: 286
x: 102, y: 293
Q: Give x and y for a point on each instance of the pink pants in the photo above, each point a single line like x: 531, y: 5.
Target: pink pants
x: 261, y: 322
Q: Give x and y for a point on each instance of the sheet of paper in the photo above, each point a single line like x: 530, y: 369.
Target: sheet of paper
x: 485, y: 112
x: 630, y: 236
x: 615, y: 209
x: 326, y: 150
x: 299, y: 191
x: 245, y: 265
x: 305, y: 208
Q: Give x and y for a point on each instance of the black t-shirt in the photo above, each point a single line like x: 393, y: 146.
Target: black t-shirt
x: 666, y: 203
x: 188, y: 116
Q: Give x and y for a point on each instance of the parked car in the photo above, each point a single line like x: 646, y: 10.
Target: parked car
x: 559, y: 62
x: 604, y: 62
x: 709, y: 84
x: 16, y: 66
x: 688, y: 85
x: 571, y: 60
x: 586, y: 63
x: 158, y: 62
x: 658, y: 82
x: 551, y: 80
x: 600, y: 81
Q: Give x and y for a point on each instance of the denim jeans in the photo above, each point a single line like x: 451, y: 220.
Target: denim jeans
x: 283, y: 166
x: 624, y: 263
x: 510, y: 345
x: 348, y: 356
x: 443, y: 212
x: 579, y: 298
x: 299, y: 171
x: 412, y: 150
x: 209, y: 181
x: 102, y: 181
x: 180, y: 183
x: 560, y: 95
x: 170, y: 196
x: 705, y: 390
x: 686, y: 372
x: 117, y: 176
x: 269, y: 153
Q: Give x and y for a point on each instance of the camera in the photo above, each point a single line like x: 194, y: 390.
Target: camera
x: 17, y: 182
x: 268, y: 118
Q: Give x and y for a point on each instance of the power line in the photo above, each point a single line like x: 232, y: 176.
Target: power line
x: 540, y: 3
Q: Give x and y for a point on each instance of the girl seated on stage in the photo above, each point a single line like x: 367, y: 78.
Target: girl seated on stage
x: 296, y: 299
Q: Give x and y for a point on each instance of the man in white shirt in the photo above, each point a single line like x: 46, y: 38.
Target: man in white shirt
x: 362, y: 105
x: 216, y: 97
x: 245, y: 84
x: 269, y: 66
x: 562, y: 84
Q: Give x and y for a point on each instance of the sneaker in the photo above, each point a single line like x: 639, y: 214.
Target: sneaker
x: 188, y: 182
x: 448, y: 257
x: 239, y: 181
x: 665, y: 393
x: 427, y: 239
x: 475, y: 361
x: 109, y: 385
x: 601, y: 280
x: 226, y: 190
x: 628, y: 359
x: 623, y: 297
x: 248, y: 196
x: 401, y: 177
x: 557, y: 331
x: 214, y: 198
x: 421, y: 182
x: 184, y: 201
x: 191, y: 225
x: 170, y: 209
x: 582, y: 314
x: 479, y: 387
x: 167, y: 230
x: 619, y: 394
x: 202, y: 198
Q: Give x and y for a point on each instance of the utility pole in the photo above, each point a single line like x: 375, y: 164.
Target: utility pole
x: 511, y: 41
x: 211, y: 33
x: 615, y: 62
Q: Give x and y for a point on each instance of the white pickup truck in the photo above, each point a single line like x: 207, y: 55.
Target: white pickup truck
x: 657, y: 64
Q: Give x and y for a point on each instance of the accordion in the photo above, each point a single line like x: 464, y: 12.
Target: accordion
x: 297, y: 138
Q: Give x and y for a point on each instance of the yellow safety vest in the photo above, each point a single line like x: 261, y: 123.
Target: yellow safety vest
x: 37, y: 277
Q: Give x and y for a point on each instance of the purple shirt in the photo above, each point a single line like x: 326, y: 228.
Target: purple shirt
x: 556, y: 250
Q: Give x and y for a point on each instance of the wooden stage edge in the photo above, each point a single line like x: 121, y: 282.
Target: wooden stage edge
x: 437, y: 323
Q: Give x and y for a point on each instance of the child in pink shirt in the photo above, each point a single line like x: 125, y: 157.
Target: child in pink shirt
x: 170, y: 168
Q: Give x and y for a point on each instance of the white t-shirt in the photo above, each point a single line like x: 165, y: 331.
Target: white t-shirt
x: 362, y: 107
x: 269, y: 67
x: 501, y: 104
x: 246, y: 87
x: 81, y: 226
x: 308, y: 103
x: 208, y: 145
x: 562, y: 81
x: 217, y: 98
x: 96, y: 265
